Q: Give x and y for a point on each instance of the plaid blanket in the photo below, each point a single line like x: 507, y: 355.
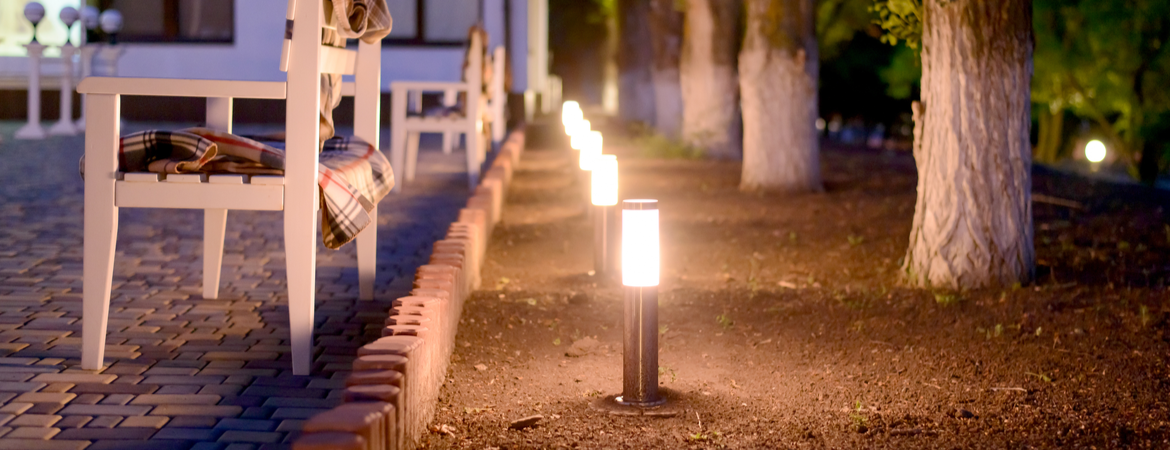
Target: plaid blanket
x: 353, y: 175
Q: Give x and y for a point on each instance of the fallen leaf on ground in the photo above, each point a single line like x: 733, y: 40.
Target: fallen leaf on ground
x: 480, y: 367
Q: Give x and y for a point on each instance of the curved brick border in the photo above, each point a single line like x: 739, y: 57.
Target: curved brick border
x: 394, y: 387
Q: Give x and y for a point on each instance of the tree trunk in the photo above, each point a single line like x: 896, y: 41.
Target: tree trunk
x: 610, y: 73
x: 973, y: 220
x: 635, y: 59
x: 710, y: 91
x: 666, y: 35
x: 778, y: 77
x: 1050, y: 137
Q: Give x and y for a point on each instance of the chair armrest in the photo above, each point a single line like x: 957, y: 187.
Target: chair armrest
x: 175, y: 87
x: 428, y: 86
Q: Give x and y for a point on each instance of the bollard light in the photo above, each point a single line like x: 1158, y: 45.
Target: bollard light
x: 571, y: 113
x: 604, y: 189
x: 1095, y: 151
x: 640, y: 273
x: 640, y: 278
x: 590, y: 150
x: 576, y: 131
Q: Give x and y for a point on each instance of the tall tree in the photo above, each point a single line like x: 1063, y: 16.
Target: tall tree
x: 710, y: 90
x: 635, y: 60
x: 973, y: 220
x: 666, y: 26
x: 778, y: 78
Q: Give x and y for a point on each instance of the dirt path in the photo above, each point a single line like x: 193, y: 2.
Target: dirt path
x: 783, y: 323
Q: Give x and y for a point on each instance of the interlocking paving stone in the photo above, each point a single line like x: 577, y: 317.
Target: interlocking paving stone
x: 156, y: 399
x: 246, y: 424
x: 105, y: 410
x: 16, y: 386
x: 103, y: 421
x: 89, y: 434
x: 115, y: 388
x: 198, y: 410
x: 34, y: 420
x: 74, y: 378
x: 15, y: 408
x: 8, y: 443
x: 296, y: 413
x: 250, y: 436
x: 73, y: 422
x: 32, y: 433
x: 144, y: 422
x: 187, y: 434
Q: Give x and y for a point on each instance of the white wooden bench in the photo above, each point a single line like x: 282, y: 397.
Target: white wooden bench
x: 295, y: 193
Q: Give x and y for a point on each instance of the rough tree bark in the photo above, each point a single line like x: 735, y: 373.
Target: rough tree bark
x: 973, y: 220
x: 666, y: 35
x: 710, y: 90
x: 778, y: 78
x: 635, y: 59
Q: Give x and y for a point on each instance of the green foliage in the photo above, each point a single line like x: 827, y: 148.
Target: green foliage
x: 901, y: 20
x: 837, y: 22
x: 904, y: 73
x: 1105, y: 60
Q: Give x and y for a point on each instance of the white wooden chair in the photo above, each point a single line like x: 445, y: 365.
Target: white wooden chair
x: 496, y: 105
x: 296, y: 193
x: 405, y: 129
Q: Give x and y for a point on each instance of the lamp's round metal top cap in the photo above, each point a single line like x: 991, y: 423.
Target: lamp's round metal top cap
x: 644, y: 205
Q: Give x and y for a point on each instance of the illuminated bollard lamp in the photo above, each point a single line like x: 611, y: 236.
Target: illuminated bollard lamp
x: 640, y: 274
x: 590, y: 152
x: 605, y: 197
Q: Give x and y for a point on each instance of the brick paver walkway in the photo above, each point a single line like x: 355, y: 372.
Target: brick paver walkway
x: 182, y: 372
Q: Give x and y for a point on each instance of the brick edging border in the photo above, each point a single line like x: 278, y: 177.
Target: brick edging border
x: 391, y: 395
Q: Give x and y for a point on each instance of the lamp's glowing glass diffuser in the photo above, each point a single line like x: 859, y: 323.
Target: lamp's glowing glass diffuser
x: 571, y: 113
x: 577, y: 132
x: 640, y: 250
x: 590, y: 150
x: 1095, y: 151
x: 605, y: 181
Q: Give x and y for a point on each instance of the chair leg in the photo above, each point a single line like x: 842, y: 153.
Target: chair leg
x: 450, y: 139
x: 214, y: 227
x: 300, y: 249
x: 398, y: 138
x: 412, y: 138
x: 100, y: 222
x: 474, y: 144
x: 367, y: 255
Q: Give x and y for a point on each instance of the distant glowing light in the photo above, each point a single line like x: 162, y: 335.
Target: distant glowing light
x: 590, y: 149
x: 820, y: 124
x: 640, y: 247
x: 1095, y: 151
x: 605, y: 181
x: 577, y: 131
x: 571, y: 113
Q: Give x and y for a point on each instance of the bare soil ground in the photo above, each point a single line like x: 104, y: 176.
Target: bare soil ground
x: 784, y: 323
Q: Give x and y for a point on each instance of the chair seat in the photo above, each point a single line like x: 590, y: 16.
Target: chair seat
x: 200, y: 191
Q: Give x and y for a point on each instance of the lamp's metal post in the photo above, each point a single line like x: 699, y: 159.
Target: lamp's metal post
x: 640, y: 368
x: 604, y: 231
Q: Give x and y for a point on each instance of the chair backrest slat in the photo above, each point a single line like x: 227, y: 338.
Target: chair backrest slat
x: 338, y: 60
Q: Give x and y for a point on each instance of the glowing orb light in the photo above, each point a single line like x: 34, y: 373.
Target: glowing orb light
x: 1095, y: 151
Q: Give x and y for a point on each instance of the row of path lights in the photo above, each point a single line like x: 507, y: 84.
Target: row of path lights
x: 110, y: 22
x: 640, y: 266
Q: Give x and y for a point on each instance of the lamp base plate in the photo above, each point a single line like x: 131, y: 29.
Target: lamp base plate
x: 668, y: 405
